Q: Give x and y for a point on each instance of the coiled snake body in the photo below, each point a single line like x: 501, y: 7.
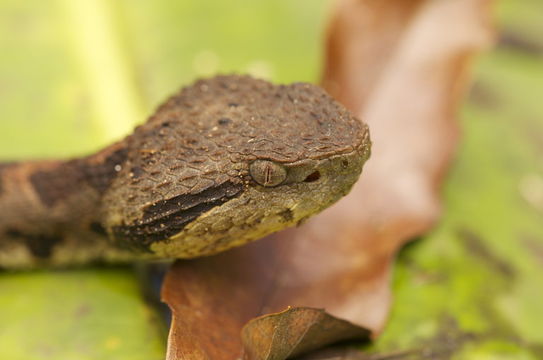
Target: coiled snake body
x: 223, y: 162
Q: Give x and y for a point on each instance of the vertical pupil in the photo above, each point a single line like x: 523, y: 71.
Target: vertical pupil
x: 268, y: 173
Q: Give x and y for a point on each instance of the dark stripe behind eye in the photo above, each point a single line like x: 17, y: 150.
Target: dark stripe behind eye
x: 168, y: 217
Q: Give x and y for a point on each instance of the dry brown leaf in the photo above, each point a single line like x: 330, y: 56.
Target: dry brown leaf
x: 402, y: 66
x: 212, y: 299
x: 295, y: 331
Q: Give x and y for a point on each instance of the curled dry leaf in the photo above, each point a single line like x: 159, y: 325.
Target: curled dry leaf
x: 402, y: 66
x: 295, y: 331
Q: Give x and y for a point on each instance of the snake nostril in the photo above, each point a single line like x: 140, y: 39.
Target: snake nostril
x: 314, y: 176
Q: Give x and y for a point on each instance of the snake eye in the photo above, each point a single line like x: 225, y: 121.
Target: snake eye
x: 267, y: 173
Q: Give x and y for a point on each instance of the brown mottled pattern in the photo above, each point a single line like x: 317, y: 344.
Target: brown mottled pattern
x: 100, y: 172
x: 3, y: 166
x: 184, y: 176
x: 55, y: 185
x: 210, y: 132
x: 41, y: 245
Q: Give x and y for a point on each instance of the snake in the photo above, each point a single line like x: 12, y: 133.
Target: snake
x: 224, y: 161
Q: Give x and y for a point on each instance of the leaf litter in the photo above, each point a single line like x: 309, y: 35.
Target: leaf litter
x: 403, y: 67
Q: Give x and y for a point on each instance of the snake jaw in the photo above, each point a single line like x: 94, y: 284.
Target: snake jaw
x: 260, y: 210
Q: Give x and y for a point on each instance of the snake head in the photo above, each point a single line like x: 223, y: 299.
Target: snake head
x: 229, y: 160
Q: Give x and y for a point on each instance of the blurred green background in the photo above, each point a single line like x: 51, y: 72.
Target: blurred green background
x: 75, y: 75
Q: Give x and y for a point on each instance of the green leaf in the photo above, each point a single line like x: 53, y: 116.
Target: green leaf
x: 77, y: 314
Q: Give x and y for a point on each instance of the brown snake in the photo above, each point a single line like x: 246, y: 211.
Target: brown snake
x: 225, y: 161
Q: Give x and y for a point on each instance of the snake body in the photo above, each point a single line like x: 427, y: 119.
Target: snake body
x: 225, y: 161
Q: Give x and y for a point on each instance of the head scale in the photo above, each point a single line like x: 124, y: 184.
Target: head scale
x: 229, y: 160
